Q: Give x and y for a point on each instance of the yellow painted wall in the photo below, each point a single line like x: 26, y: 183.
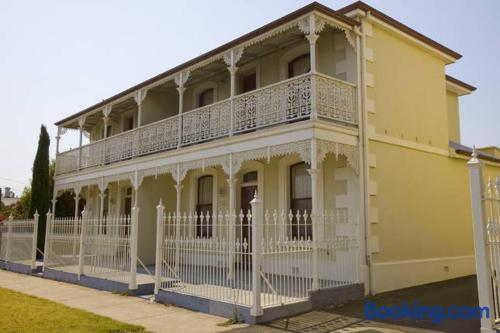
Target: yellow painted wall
x: 419, y: 195
x: 423, y: 204
x: 453, y: 116
x: 409, y: 91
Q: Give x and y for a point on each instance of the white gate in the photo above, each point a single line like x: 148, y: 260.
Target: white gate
x: 18, y: 241
x: 255, y: 259
x: 106, y: 245
x: 485, y: 199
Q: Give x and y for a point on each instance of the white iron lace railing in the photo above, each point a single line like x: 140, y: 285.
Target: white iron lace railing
x: 335, y: 99
x: 280, y: 102
x: 206, y: 123
x: 283, y: 102
x: 67, y: 161
x: 92, y: 154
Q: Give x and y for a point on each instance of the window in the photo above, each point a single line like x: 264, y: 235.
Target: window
x: 250, y: 177
x: 105, y: 208
x: 204, y: 206
x: 248, y: 82
x: 299, y: 65
x: 106, y: 134
x: 300, y: 200
x: 206, y: 97
x: 128, y: 123
x: 127, y: 209
x: 105, y: 211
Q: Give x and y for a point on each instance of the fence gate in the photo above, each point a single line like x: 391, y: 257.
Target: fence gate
x: 485, y: 199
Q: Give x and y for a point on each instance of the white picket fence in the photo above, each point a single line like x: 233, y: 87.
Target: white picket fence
x: 485, y: 199
x: 104, y: 247
x: 18, y: 241
x: 107, y: 248
x: 62, y: 243
x: 255, y: 259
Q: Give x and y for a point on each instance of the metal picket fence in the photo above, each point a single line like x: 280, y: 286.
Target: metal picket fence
x: 255, y: 259
x: 18, y: 241
x: 485, y: 198
x: 107, y: 250
x: 62, y: 243
x: 101, y: 247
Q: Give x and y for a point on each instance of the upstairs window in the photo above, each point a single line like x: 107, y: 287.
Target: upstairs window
x: 128, y: 123
x: 248, y: 82
x: 206, y: 97
x: 300, y: 65
x: 107, y: 133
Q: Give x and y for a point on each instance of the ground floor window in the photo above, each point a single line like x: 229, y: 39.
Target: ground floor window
x: 300, y: 200
x: 204, y: 207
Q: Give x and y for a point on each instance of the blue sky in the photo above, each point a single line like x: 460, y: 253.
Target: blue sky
x: 58, y: 57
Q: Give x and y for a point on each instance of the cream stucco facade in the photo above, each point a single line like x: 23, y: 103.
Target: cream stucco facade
x: 380, y: 115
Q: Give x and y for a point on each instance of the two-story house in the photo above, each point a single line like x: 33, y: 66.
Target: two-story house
x: 343, y: 122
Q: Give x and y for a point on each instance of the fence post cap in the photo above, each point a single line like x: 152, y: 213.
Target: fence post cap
x: 255, y: 199
x: 160, y: 204
x: 474, y: 162
x: 36, y: 212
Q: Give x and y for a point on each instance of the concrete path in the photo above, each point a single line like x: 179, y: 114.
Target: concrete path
x: 134, y: 310
x: 170, y: 319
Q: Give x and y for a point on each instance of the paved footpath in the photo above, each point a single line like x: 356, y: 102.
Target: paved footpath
x: 134, y: 310
x: 171, y: 319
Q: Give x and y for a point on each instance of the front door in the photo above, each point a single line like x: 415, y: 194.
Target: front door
x: 247, y: 194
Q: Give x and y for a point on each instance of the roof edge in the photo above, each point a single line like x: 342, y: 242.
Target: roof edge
x: 469, y: 88
x: 467, y: 151
x: 404, y: 28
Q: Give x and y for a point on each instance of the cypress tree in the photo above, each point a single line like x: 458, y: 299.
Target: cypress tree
x: 40, y: 185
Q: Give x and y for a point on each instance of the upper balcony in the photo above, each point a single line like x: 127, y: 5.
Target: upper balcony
x: 273, y: 80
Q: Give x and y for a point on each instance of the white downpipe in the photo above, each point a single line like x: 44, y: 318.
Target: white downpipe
x: 363, y: 129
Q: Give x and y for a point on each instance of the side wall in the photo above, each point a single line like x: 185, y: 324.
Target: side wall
x: 419, y: 203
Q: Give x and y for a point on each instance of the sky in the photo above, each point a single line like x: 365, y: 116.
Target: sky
x: 59, y: 57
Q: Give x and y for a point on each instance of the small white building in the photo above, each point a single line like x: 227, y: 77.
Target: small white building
x: 9, y: 197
